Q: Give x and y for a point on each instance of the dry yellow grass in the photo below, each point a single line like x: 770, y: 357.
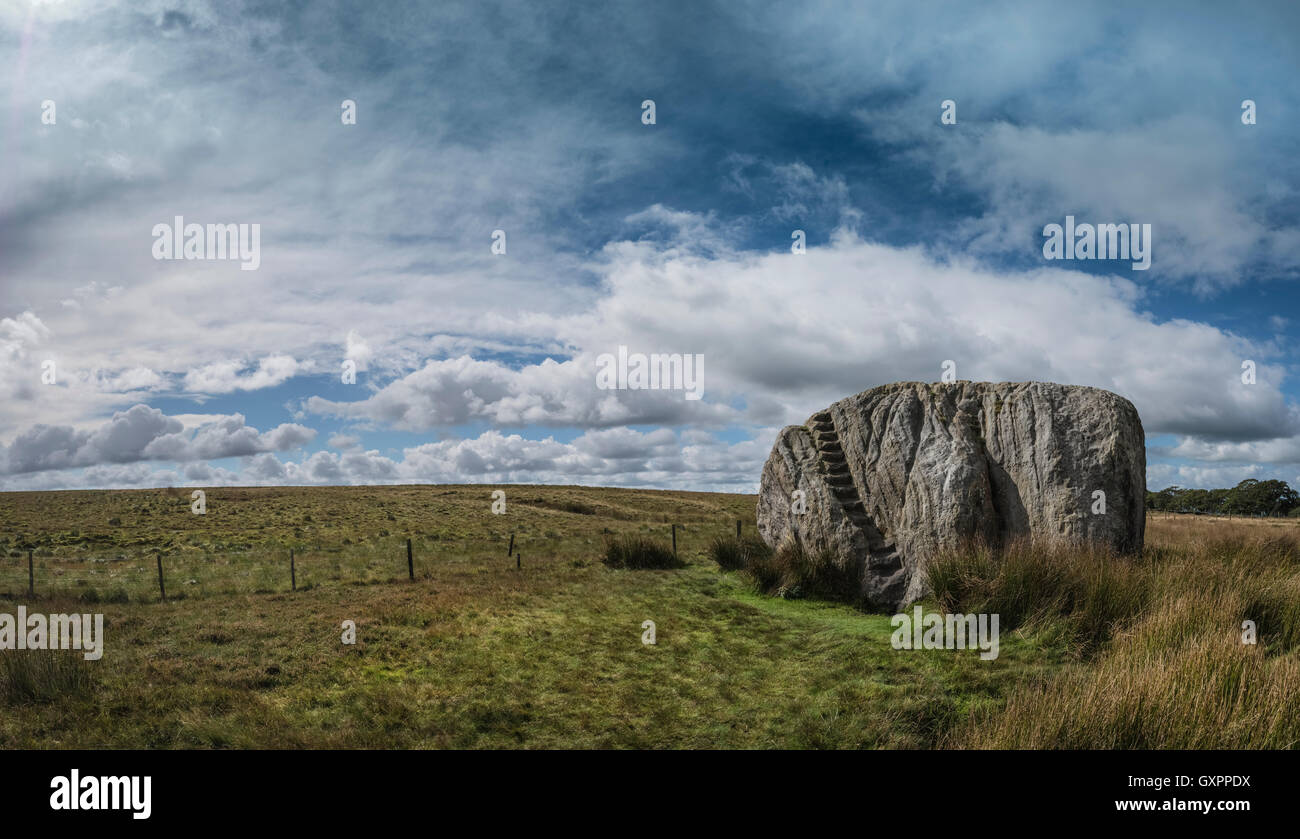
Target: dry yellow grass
x: 1177, y: 674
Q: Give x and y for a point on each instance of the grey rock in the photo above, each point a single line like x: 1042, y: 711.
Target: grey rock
x: 897, y: 473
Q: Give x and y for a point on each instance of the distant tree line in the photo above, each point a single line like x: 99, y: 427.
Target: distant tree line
x: 1248, y: 498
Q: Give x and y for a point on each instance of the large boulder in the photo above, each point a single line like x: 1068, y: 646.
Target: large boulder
x: 897, y: 473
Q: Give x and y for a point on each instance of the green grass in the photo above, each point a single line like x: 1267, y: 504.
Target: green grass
x: 474, y: 653
x: 478, y: 654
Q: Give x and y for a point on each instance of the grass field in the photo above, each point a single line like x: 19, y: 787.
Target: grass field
x: 476, y: 653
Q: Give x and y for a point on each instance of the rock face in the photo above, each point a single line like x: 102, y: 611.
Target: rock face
x: 896, y: 473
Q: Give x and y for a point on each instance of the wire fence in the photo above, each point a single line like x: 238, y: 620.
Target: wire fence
x: 179, y: 575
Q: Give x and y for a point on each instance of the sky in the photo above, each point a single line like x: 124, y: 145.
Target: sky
x: 502, y: 213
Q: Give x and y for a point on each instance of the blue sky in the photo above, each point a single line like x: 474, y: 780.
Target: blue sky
x: 924, y: 238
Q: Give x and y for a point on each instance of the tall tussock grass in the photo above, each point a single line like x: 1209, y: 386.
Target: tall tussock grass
x: 733, y: 554
x: 1208, y: 692
x: 790, y: 571
x: 37, y: 676
x: 1162, y: 637
x: 638, y: 552
x: 1083, y: 590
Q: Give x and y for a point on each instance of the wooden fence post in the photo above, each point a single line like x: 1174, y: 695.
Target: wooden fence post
x: 511, y: 549
x: 410, y: 560
x: 293, y: 572
x: 162, y: 589
x: 31, y: 578
x: 519, y: 562
x: 737, y: 530
x: 674, y: 540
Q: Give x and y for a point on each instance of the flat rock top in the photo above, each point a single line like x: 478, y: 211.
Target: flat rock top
x: 963, y: 388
